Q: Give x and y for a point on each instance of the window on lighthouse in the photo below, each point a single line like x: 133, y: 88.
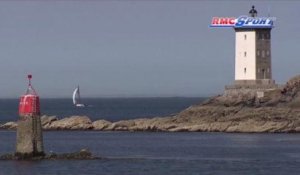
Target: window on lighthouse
x: 245, y: 70
x: 259, y: 36
x: 245, y: 54
x: 266, y: 36
x: 245, y: 37
x: 263, y: 53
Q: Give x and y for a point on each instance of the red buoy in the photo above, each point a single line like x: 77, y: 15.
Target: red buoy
x: 29, y: 129
x: 29, y: 102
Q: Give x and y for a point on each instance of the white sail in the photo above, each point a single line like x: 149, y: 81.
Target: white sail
x: 74, y: 96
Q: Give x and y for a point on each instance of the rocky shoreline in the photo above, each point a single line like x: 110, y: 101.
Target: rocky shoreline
x: 277, y: 111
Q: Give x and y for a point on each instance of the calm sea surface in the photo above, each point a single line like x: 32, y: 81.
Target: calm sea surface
x: 162, y: 153
x: 150, y: 153
x: 111, y: 109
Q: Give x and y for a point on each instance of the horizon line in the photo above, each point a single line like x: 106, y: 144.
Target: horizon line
x: 204, y: 96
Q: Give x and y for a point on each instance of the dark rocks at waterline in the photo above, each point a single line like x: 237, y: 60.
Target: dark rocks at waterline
x: 83, y: 154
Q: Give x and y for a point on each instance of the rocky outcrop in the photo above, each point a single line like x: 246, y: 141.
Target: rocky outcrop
x: 277, y: 111
x: 239, y: 119
x: 101, y: 124
x: 53, y: 123
x: 144, y: 124
x: 47, y: 121
x: 290, y: 95
x: 70, y: 123
x: 9, y: 125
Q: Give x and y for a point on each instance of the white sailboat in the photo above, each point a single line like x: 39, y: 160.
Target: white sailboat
x: 77, y: 99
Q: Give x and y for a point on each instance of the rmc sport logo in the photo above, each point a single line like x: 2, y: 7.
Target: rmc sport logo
x: 243, y: 22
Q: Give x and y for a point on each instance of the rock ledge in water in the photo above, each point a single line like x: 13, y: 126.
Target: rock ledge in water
x: 83, y: 154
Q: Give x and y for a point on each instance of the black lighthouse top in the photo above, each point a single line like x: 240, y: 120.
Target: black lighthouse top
x: 253, y: 12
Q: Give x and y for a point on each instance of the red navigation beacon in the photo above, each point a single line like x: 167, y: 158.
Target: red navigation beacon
x: 30, y: 102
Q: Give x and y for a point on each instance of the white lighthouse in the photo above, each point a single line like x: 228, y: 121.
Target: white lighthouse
x: 253, y: 54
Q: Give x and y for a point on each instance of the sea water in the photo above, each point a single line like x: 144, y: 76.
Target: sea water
x: 149, y: 152
x: 111, y: 109
x: 162, y: 153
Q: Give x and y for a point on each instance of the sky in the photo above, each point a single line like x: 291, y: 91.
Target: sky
x: 133, y: 48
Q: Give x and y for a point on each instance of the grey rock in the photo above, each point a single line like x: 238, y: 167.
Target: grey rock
x: 101, y: 124
x: 9, y: 125
x: 47, y: 121
x: 72, y: 123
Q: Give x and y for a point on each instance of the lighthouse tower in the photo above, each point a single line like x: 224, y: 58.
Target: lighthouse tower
x: 253, y: 55
x: 29, y: 130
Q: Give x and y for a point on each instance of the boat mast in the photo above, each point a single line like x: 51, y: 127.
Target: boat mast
x: 78, y: 92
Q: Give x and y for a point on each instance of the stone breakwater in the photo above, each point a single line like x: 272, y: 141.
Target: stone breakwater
x: 277, y: 111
